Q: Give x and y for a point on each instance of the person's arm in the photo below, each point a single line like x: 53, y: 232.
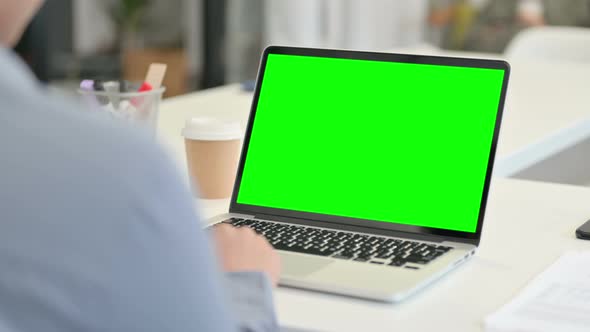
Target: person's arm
x: 107, y: 239
x: 241, y: 297
x: 241, y: 251
x: 251, y: 300
x: 99, y: 233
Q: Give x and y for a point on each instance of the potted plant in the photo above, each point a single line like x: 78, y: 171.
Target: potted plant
x: 133, y: 18
x: 128, y: 16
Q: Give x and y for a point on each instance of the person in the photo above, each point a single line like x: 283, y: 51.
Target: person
x: 450, y: 21
x: 501, y: 20
x: 355, y: 24
x: 99, y: 233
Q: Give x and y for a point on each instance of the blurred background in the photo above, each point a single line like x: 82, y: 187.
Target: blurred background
x: 208, y: 43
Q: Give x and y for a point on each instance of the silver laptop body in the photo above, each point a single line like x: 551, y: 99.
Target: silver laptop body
x: 382, y: 279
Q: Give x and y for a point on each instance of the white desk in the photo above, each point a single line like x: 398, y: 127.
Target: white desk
x: 528, y: 225
x: 547, y: 111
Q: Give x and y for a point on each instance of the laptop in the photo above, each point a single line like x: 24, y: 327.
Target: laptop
x: 368, y: 172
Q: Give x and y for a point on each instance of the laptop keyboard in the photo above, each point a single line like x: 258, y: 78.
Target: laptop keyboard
x: 343, y: 245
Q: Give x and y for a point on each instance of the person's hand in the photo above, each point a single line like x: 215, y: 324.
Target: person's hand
x: 241, y: 249
x: 531, y: 20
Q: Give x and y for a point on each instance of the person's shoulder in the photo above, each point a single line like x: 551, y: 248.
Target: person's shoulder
x: 32, y: 107
x: 95, y: 135
x: 97, y: 130
x: 72, y: 135
x: 76, y: 136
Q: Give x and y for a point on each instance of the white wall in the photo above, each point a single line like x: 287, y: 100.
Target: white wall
x: 93, y: 29
x: 359, y: 24
x: 193, y: 11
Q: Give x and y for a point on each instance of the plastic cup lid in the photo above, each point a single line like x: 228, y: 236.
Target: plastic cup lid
x: 209, y: 129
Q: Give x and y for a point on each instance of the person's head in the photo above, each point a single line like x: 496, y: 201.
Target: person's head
x: 14, y: 18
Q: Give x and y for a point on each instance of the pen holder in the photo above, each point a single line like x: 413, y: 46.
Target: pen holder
x: 137, y: 108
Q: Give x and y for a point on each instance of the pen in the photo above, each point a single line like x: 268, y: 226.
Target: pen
x: 153, y: 80
x: 88, y: 85
x: 123, y: 86
x: 137, y: 101
x: 99, y: 86
x: 112, y: 89
x: 145, y: 87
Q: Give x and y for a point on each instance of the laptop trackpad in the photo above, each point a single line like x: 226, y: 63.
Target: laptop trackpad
x: 300, y: 266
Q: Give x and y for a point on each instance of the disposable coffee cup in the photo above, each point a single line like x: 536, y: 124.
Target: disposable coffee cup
x: 212, y: 153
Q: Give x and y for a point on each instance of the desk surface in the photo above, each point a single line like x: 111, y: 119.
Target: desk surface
x: 547, y: 110
x: 528, y: 225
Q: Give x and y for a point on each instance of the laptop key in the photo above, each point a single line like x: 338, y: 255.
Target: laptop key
x: 345, y: 254
x: 232, y: 221
x: 383, y: 255
x: 397, y: 262
x: 311, y: 251
x: 341, y: 257
x: 443, y: 249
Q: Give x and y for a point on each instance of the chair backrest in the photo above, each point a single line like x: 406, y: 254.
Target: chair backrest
x: 570, y: 44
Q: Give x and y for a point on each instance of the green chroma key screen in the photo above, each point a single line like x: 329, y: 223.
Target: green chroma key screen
x: 385, y: 141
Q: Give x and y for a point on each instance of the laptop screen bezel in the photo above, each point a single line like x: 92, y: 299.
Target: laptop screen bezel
x: 310, y: 218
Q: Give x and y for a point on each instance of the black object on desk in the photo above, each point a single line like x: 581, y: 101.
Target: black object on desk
x: 583, y: 232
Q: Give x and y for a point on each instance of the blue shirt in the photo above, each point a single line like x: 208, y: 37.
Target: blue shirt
x: 98, y: 231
